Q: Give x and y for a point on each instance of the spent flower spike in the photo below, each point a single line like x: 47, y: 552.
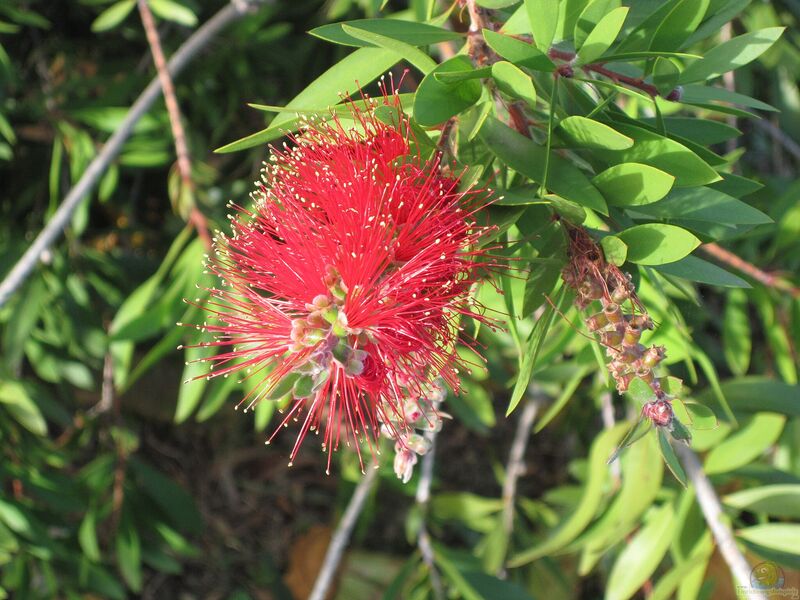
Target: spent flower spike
x: 343, y: 288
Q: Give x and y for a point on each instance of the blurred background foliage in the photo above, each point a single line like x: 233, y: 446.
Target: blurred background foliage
x: 118, y: 481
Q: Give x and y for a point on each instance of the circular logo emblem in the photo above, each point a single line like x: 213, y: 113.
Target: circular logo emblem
x: 767, y: 576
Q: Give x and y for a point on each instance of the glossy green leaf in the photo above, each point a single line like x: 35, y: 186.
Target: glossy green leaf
x: 736, y: 335
x: 407, y: 32
x: 369, y: 63
x: 528, y: 158
x: 590, y: 498
x: 641, y: 555
x: 633, y: 184
x: 702, y: 271
x: 412, y: 54
x: 745, y: 444
x: 665, y: 154
x: 705, y: 204
x: 518, y: 52
x: 731, y: 55
x: 113, y: 15
x: 781, y: 500
x: 436, y: 101
x: 657, y: 243
x: 513, y: 81
x: 775, y: 536
x: 543, y: 18
x: 588, y: 133
x: 173, y: 11
x: 679, y: 24
x: 602, y: 36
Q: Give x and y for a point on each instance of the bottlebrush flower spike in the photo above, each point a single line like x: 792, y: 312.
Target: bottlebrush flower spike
x: 345, y: 284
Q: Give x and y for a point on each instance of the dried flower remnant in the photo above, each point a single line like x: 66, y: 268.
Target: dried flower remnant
x: 343, y: 288
x: 618, y: 327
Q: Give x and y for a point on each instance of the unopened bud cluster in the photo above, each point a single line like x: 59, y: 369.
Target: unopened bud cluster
x: 419, y: 416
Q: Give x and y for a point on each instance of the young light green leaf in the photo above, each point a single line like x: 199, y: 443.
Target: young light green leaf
x: 602, y: 36
x: 129, y: 556
x: 746, y: 444
x: 588, y: 133
x: 657, y: 243
x: 614, y: 250
x: 590, y: 16
x: 731, y: 55
x: 436, y: 101
x: 775, y: 536
x: 412, y: 54
x: 173, y: 11
x: 16, y: 399
x: 633, y: 184
x: 87, y: 536
x: 408, y: 32
x: 543, y: 17
x: 113, y: 15
x: 513, y: 81
x: 779, y: 500
x: 518, y: 52
x: 191, y: 390
x: 641, y: 555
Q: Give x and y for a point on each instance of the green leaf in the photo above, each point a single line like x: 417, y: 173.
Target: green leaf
x: 16, y: 520
x: 512, y: 81
x: 602, y: 36
x: 407, y: 32
x: 436, y: 101
x: 679, y: 24
x: 175, y: 501
x: 518, y: 52
x: 736, y: 336
x: 543, y: 18
x: 701, y: 131
x: 697, y: 416
x: 113, y: 15
x: 745, y: 444
x: 665, y: 76
x: 528, y: 158
x: 662, y: 153
x: 705, y: 204
x: 368, y: 63
x: 194, y: 382
x: 670, y: 458
x: 641, y: 555
x: 633, y: 184
x: 754, y: 394
x: 87, y: 537
x: 415, y: 56
x: 657, y: 243
x: 588, y: 133
x: 775, y: 536
x: 16, y: 399
x: 614, y: 250
x: 590, y: 498
x: 731, y: 55
x: 129, y: 556
x: 173, y: 11
x: 589, y: 18
x: 457, y: 76
x: 781, y: 500
x: 700, y: 94
x: 701, y: 271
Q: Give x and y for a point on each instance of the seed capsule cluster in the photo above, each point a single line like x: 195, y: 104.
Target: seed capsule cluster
x: 620, y: 322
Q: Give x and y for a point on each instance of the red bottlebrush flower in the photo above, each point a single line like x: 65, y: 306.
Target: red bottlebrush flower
x: 345, y: 284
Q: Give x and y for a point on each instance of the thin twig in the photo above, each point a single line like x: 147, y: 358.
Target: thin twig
x: 196, y: 217
x: 342, y: 535
x: 188, y: 50
x: 422, y: 499
x: 712, y: 511
x: 738, y: 263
